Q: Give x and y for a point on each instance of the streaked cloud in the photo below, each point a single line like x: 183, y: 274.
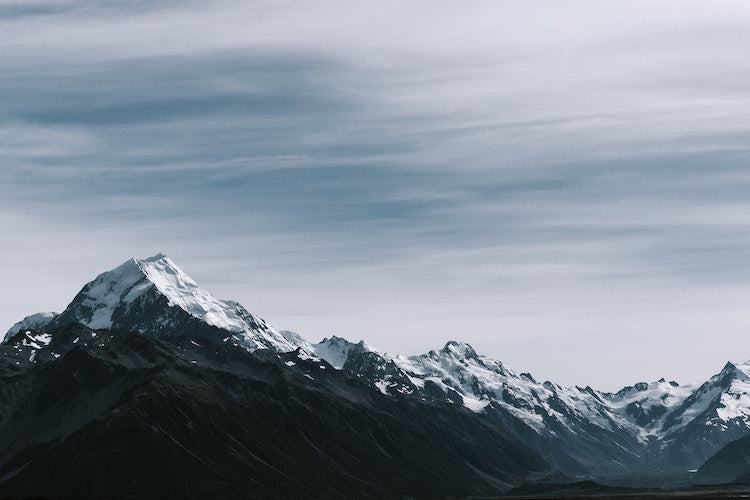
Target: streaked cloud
x: 511, y: 174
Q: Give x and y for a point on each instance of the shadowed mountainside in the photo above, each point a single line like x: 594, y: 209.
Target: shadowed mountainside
x: 113, y: 414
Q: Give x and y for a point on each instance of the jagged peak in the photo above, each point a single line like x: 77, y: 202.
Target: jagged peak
x: 335, y: 340
x: 729, y: 366
x: 116, y: 298
x: 161, y: 256
x: 134, y: 277
x: 639, y: 387
x: 365, y: 346
x: 32, y: 322
x: 461, y: 350
x: 336, y: 350
x: 462, y: 353
x: 150, y: 266
x: 729, y: 370
x: 296, y: 339
x: 734, y: 371
x: 181, y: 289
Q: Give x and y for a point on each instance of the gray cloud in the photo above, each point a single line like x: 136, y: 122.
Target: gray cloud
x: 572, y: 177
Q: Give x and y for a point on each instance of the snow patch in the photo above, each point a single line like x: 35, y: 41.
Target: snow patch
x: 383, y: 385
x: 474, y: 404
x: 36, y: 341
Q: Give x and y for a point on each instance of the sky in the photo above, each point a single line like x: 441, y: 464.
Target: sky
x: 563, y: 185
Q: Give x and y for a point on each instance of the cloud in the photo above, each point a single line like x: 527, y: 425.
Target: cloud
x: 569, y: 175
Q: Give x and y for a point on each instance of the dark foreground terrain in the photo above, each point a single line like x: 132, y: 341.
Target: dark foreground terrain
x: 575, y: 492
x: 592, y: 490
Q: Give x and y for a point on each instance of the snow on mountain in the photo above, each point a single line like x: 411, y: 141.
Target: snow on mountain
x: 34, y: 322
x: 638, y: 413
x: 721, y: 401
x: 298, y: 340
x: 658, y: 409
x: 481, y: 381
x: 647, y: 404
x: 476, y: 381
x: 185, y: 293
x: 457, y: 367
x: 337, y: 350
x: 22, y: 347
x: 153, y: 296
x: 621, y: 433
x: 734, y: 402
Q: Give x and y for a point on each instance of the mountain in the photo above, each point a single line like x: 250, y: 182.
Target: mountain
x: 83, y: 382
x: 571, y: 427
x: 34, y: 322
x: 154, y: 297
x: 655, y: 429
x: 646, y: 404
x: 713, y: 415
x: 337, y: 350
x: 715, y: 418
x: 110, y: 414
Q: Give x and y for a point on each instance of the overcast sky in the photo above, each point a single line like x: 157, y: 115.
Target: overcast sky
x: 564, y: 185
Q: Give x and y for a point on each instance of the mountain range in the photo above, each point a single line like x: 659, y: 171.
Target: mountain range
x: 148, y: 385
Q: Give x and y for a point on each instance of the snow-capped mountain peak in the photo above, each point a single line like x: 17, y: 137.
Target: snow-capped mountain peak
x: 647, y: 404
x: 155, y: 297
x: 722, y: 402
x: 336, y: 350
x: 184, y: 292
x: 459, y: 350
x: 34, y: 322
x: 735, y: 371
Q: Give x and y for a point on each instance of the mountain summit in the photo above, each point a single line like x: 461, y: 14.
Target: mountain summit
x: 156, y: 298
x: 644, y: 430
x: 34, y: 322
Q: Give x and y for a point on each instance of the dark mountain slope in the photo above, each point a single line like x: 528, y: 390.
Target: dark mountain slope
x: 727, y: 464
x: 125, y: 416
x: 214, y: 393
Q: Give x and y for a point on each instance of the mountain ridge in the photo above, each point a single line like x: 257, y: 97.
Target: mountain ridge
x: 648, y: 428
x: 153, y: 296
x: 99, y: 413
